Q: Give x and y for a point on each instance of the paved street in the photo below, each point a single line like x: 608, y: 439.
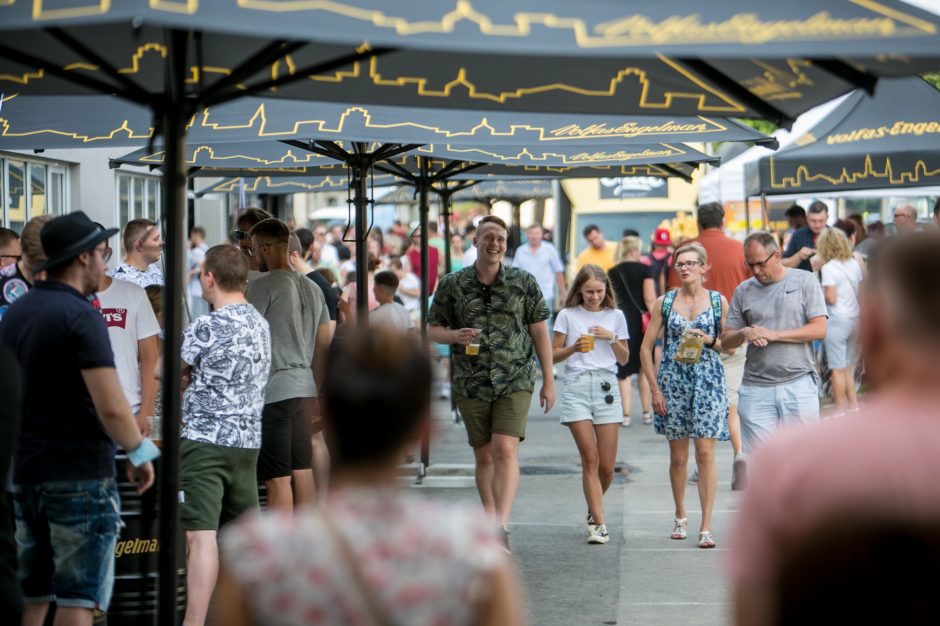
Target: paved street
x: 641, y: 576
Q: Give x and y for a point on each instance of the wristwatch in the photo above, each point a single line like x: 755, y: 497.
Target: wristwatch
x: 613, y: 339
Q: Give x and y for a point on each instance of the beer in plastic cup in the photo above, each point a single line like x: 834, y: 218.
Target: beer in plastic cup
x: 473, y: 348
x: 588, y: 339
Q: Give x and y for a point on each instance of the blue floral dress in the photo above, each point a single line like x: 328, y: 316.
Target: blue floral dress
x: 696, y: 393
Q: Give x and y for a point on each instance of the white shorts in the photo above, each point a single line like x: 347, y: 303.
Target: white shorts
x: 592, y: 395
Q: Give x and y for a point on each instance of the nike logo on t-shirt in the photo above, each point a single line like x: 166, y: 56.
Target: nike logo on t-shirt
x: 792, y: 290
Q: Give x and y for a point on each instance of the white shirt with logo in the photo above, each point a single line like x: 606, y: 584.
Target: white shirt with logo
x: 129, y: 317
x: 230, y: 353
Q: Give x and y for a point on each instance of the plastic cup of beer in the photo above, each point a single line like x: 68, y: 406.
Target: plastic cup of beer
x: 587, y: 339
x: 473, y: 348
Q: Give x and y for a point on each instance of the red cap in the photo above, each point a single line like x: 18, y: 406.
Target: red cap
x: 661, y: 237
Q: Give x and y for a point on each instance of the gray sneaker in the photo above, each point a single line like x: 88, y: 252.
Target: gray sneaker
x: 599, y: 535
x: 739, y: 473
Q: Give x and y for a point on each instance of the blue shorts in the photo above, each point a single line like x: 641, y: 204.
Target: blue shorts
x: 66, y: 533
x: 585, y: 398
x: 841, y: 351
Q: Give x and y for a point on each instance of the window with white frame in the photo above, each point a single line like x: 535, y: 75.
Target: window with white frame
x: 30, y: 188
x: 138, y: 197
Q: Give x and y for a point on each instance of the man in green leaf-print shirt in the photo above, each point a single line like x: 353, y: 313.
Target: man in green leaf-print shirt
x: 501, y: 309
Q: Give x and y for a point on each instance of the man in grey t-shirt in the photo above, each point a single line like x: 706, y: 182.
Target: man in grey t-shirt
x: 779, y: 312
x: 300, y: 337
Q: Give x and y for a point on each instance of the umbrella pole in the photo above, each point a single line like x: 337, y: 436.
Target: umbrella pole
x: 446, y: 195
x: 765, y: 212
x: 174, y: 210
x: 360, y: 181
x: 423, y: 182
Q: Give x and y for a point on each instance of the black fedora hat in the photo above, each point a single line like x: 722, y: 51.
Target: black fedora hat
x: 67, y: 236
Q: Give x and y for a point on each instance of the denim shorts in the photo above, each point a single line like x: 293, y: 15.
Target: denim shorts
x: 66, y: 532
x: 585, y: 398
x: 765, y: 410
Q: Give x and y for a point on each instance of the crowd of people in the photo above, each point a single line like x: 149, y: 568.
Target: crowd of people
x: 283, y: 386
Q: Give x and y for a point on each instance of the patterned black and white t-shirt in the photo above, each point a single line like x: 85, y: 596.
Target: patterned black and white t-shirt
x: 230, y: 353
x: 129, y: 273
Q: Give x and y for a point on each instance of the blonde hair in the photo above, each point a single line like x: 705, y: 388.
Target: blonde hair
x: 587, y: 273
x: 693, y: 246
x: 833, y: 244
x: 630, y: 245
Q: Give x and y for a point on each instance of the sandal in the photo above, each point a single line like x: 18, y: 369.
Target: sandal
x: 647, y: 418
x: 678, y: 531
x: 705, y: 540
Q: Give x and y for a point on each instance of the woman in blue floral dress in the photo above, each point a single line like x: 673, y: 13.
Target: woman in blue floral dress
x: 690, y: 399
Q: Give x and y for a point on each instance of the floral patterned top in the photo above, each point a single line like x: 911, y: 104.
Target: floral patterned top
x: 425, y: 564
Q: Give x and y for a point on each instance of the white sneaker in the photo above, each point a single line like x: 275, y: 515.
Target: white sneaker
x: 589, y: 523
x: 599, y: 535
x: 739, y: 473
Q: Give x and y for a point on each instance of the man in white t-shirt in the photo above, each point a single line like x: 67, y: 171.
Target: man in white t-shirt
x: 133, y: 330
x: 389, y: 313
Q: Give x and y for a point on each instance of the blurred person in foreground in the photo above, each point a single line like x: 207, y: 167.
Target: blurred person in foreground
x: 375, y: 553
x: 9, y: 247
x: 18, y: 278
x: 883, y: 461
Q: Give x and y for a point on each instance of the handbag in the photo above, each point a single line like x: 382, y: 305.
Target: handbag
x: 645, y: 316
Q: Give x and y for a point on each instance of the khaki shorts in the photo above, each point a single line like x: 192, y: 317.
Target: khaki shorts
x: 734, y: 372
x: 503, y: 416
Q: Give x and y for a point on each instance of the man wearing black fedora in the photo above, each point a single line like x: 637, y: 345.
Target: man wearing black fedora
x: 65, y: 496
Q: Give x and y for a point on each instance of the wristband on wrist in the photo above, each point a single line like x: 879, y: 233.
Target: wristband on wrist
x: 143, y: 453
x: 712, y: 343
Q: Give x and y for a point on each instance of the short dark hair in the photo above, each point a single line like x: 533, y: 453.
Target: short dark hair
x: 630, y: 232
x: 8, y: 236
x: 762, y: 238
x: 493, y: 219
x: 386, y: 279
x: 134, y: 230
x: 818, y: 206
x: 252, y: 216
x: 305, y: 236
x: 228, y: 267
x: 795, y: 211
x: 368, y: 415
x: 711, y: 215
x: 198, y: 230
x: 273, y: 229
x: 587, y: 230
x: 846, y: 226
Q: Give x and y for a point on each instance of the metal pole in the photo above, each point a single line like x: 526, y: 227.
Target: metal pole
x: 360, y: 181
x: 445, y: 195
x: 174, y: 115
x: 516, y: 227
x: 423, y: 182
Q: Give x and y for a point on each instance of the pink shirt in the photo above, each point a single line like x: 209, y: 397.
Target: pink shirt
x: 885, y: 458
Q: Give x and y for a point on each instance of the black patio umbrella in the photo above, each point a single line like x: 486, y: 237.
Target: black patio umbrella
x: 889, y: 140
x: 275, y: 186
x: 483, y: 191
x: 738, y: 58
x: 47, y: 122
